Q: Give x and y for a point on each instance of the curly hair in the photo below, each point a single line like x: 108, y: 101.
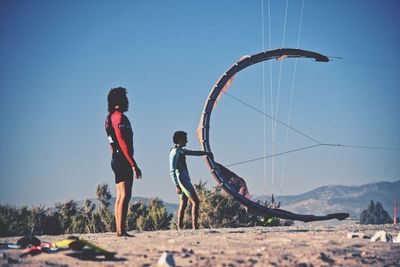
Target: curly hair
x: 178, y: 136
x: 117, y: 97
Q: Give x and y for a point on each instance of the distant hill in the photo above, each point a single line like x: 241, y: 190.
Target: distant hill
x: 340, y: 198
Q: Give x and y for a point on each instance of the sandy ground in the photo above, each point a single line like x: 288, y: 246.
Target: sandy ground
x: 278, y: 246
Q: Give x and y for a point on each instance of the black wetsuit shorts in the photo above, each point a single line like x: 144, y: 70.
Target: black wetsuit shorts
x: 121, y: 167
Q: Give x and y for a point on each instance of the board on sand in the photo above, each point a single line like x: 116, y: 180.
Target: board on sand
x: 99, y: 250
x: 66, y: 243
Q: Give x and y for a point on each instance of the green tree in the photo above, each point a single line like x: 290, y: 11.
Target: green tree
x: 90, y: 217
x: 8, y: 218
x: 153, y: 216
x: 36, y: 219
x: 21, y: 224
x: 375, y: 214
x: 24, y: 221
x: 143, y: 223
x: 218, y: 209
x: 107, y: 220
x: 136, y: 210
x: 51, y: 223
x: 66, y: 213
x: 86, y: 219
x: 159, y: 218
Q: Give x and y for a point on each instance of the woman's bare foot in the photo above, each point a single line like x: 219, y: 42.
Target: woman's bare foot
x: 125, y: 234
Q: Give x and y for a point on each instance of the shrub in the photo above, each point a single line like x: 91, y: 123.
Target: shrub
x: 107, y: 220
x: 375, y: 214
x: 149, y: 218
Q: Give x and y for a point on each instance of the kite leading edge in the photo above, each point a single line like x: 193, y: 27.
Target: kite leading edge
x: 203, y: 134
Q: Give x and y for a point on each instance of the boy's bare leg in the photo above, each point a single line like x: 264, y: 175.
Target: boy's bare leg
x: 181, y: 210
x: 194, y: 201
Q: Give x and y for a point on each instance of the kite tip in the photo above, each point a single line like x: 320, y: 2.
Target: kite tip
x: 244, y: 57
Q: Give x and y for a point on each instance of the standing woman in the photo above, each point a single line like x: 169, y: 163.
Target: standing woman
x: 119, y: 132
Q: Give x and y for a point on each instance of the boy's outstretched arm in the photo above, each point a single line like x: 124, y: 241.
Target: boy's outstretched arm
x: 197, y: 153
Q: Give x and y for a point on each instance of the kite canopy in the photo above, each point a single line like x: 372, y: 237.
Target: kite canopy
x: 203, y: 132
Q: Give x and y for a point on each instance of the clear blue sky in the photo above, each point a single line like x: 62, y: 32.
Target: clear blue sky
x: 58, y: 60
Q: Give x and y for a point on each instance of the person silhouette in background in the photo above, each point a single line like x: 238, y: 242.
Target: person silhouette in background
x: 237, y: 182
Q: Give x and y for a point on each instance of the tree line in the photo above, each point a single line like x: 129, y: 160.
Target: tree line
x: 216, y: 210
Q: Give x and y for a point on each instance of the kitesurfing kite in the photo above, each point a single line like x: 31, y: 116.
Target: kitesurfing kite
x: 204, y: 133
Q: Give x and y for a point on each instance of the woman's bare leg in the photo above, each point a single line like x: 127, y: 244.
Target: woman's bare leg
x: 128, y: 194
x: 117, y: 212
x: 124, y: 192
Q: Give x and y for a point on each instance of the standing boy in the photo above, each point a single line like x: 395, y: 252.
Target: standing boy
x: 180, y: 176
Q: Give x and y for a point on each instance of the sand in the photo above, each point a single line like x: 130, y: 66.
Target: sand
x: 258, y: 246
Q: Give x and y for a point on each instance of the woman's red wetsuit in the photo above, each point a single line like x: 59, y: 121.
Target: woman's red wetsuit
x: 120, y: 136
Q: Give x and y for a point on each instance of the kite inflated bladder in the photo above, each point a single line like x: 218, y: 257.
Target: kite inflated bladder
x: 203, y: 134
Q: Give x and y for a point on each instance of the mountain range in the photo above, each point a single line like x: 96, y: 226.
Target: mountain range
x: 340, y: 198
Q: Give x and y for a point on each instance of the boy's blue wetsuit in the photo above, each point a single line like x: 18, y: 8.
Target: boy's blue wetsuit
x: 178, y: 170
